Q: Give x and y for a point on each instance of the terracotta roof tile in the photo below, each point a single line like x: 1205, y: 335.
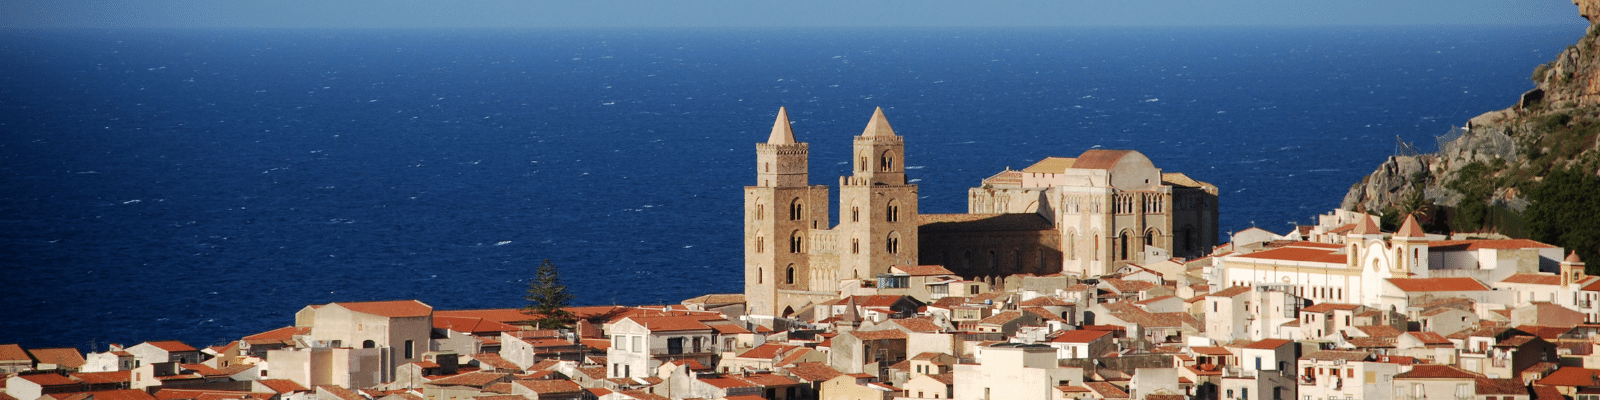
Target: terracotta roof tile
x: 879, y: 335
x: 1268, y: 344
x: 766, y: 380
x: 1572, y: 376
x: 283, y: 385
x: 1533, y: 279
x: 1337, y: 355
x: 286, y: 333
x: 549, y: 386
x: 474, y: 379
x: 1106, y: 390
x: 1051, y: 165
x: 1230, y: 292
x: 97, y: 378
x: 391, y: 309
x: 671, y: 324
x: 922, y: 270
x: 172, y: 346
x: 1431, y: 371
x: 119, y: 394
x: 813, y: 371
x: 64, y: 356
x: 1079, y: 336
x: 1298, y: 254
x: 1326, y: 307
x: 767, y: 351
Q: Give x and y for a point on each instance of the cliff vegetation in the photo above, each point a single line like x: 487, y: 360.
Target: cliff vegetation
x: 1529, y: 171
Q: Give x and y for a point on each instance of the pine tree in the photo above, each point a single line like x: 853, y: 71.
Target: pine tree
x: 548, y: 298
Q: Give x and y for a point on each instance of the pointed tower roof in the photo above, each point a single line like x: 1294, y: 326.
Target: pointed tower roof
x: 878, y: 126
x: 1573, y: 258
x: 1409, y: 229
x: 781, y: 132
x: 851, y: 316
x: 1366, y: 227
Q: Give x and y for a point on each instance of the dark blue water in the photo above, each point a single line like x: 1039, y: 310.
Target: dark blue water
x: 203, y: 185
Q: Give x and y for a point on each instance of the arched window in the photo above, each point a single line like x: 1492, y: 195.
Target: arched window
x: 1123, y: 245
x: 1072, y: 245
x: 855, y: 246
x: 893, y: 211
x: 893, y: 244
x: 886, y: 162
x: 761, y: 211
x: 767, y: 167
x: 855, y: 214
x: 796, y: 244
x: 761, y: 244
x: 1096, y: 247
x: 863, y: 164
x: 788, y: 276
x: 760, y: 275
x: 367, y: 344
x: 796, y: 209
x: 994, y: 261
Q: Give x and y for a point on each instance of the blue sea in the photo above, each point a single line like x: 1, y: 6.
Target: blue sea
x: 202, y: 185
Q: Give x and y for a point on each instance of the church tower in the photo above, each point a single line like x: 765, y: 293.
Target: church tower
x: 780, y: 211
x: 1410, y: 246
x: 877, y: 209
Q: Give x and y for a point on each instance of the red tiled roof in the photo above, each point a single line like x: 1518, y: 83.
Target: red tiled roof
x: 172, y: 346
x: 471, y: 325
x: 1211, y: 350
x: 475, y: 378
x: 1267, y: 344
x: 1438, y: 284
x: 1298, y: 254
x: 391, y: 309
x: 1429, y: 338
x: 51, y: 379
x: 63, y: 356
x: 342, y: 393
x: 726, y: 382
x: 879, y: 335
x: 813, y: 371
x: 119, y: 394
x: 96, y: 378
x: 1434, y: 371
x: 767, y: 351
x: 1230, y: 292
x: 1572, y: 376
x: 1106, y: 390
x: 549, y: 386
x: 1479, y: 244
x: 766, y: 380
x: 13, y: 352
x: 923, y: 270
x: 1001, y: 318
x: 282, y: 385
x: 1534, y: 279
x: 281, y: 334
x: 1079, y: 336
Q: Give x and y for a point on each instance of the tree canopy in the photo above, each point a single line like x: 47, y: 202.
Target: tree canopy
x: 1563, y: 213
x: 548, y: 298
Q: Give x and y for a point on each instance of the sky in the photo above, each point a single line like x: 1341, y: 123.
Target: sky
x: 771, y: 14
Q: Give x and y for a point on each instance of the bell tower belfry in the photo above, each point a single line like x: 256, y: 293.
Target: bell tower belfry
x: 877, y: 208
x: 780, y: 211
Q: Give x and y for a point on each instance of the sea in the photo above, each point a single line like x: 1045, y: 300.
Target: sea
x: 203, y: 185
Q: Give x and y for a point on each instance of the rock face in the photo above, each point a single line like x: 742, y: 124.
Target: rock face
x: 1553, y: 126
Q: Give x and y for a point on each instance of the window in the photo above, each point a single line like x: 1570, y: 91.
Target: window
x: 796, y: 209
x: 893, y: 211
x: 759, y: 275
x: 855, y: 214
x: 638, y: 347
x: 789, y: 275
x: 974, y: 289
x: 795, y: 242
x: 761, y: 211
x: 893, y: 243
x: 855, y: 246
x: 411, y: 349
x: 620, y: 342
x: 1123, y: 245
x: 886, y: 163
x: 761, y: 244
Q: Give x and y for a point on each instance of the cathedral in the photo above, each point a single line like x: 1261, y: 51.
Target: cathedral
x: 1084, y: 217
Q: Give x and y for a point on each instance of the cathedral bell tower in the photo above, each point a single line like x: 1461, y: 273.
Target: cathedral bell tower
x: 780, y: 211
x: 877, y: 209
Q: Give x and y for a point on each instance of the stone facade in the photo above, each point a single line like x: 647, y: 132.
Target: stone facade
x: 1085, y: 217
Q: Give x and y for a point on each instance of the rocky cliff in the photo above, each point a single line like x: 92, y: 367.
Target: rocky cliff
x: 1501, y: 154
